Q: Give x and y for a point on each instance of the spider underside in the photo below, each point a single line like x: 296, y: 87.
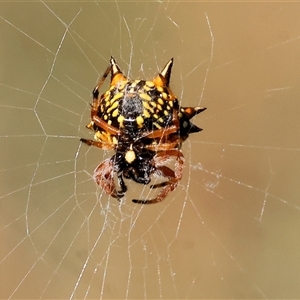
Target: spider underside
x: 145, y: 126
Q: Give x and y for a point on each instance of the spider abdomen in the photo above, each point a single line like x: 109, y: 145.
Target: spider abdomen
x: 137, y: 105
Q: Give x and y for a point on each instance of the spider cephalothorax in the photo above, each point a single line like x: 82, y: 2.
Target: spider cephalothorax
x: 143, y: 122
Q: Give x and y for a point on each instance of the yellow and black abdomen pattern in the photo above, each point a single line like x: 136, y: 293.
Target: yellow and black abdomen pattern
x: 137, y: 105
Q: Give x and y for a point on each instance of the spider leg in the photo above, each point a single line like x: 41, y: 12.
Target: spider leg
x: 96, y: 98
x: 101, y: 80
x: 173, y: 176
x: 159, y: 133
x: 163, y: 146
x: 104, y: 177
x: 165, y: 172
x: 98, y: 144
x: 122, y: 185
x: 101, y: 123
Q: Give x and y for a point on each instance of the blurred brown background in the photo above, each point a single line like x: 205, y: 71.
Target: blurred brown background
x: 230, y: 230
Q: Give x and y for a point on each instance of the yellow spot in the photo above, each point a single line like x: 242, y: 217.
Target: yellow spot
x: 90, y: 125
x: 146, y: 113
x: 147, y: 106
x: 114, y: 140
x: 164, y: 95
x: 155, y: 116
x: 109, y: 122
x: 150, y: 83
x: 157, y: 125
x: 130, y: 155
x: 171, y: 103
x: 159, y: 107
x: 145, y: 96
x: 115, y: 113
x: 102, y: 136
x: 97, y: 135
x: 113, y: 106
x: 160, y: 120
x: 105, y: 117
x: 153, y: 103
x: 159, y: 88
x: 166, y: 113
x: 179, y: 115
x: 168, y: 107
x: 160, y: 101
x: 139, y: 121
x: 117, y: 96
x: 121, y: 120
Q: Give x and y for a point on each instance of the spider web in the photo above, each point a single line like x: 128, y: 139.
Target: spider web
x: 230, y: 229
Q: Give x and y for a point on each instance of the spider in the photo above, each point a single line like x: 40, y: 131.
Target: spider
x: 143, y: 123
